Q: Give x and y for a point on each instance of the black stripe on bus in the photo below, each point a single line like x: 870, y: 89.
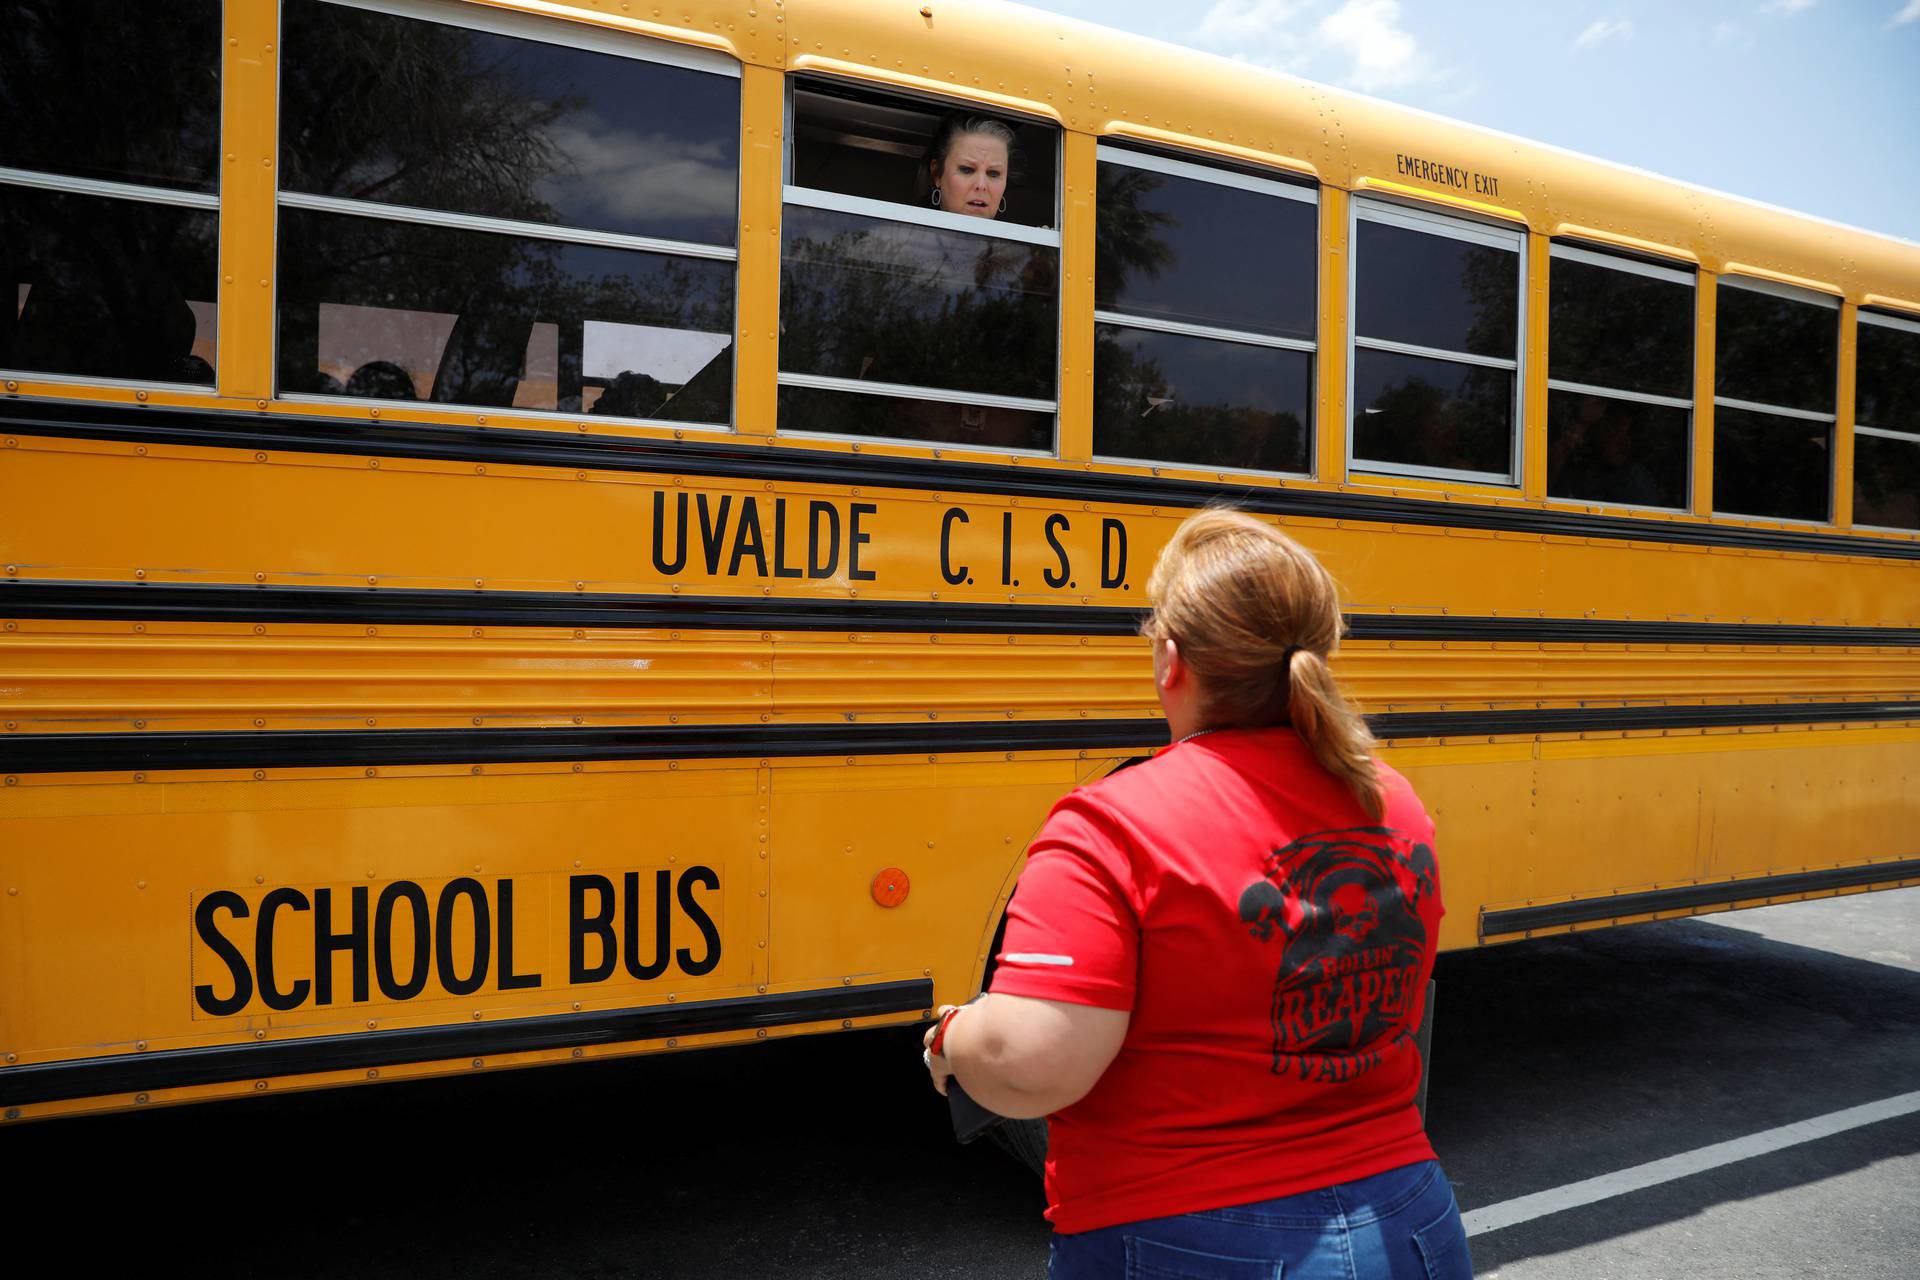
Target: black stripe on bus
x: 361, y: 1050
x: 192, y: 602
x: 736, y: 458
x: 1692, y: 897
x: 329, y: 748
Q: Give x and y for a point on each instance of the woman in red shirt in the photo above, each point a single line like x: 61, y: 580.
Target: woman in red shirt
x: 1216, y: 961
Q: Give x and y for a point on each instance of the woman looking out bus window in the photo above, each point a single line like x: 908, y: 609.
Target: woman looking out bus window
x: 966, y: 166
x: 1216, y: 961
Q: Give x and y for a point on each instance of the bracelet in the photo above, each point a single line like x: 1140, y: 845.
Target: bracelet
x: 939, y: 1042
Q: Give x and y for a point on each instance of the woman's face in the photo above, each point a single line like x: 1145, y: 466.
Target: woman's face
x: 974, y: 179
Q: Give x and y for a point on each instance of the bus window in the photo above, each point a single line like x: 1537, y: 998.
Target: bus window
x: 1620, y: 380
x: 109, y: 190
x: 919, y: 283
x: 1206, y: 302
x: 1436, y: 337
x: 1775, y: 367
x: 1886, y: 426
x: 505, y: 213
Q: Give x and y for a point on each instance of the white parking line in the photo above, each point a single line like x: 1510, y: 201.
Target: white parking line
x: 1541, y: 1203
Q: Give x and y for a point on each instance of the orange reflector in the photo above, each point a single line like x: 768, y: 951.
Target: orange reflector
x: 890, y: 887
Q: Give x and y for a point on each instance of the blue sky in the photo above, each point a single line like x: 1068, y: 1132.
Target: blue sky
x: 1813, y: 105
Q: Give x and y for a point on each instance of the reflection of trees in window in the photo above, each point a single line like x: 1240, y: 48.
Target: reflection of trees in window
x: 1613, y: 328
x: 1127, y: 235
x: 1451, y: 426
x: 394, y: 111
x: 101, y: 89
x: 411, y: 113
x: 499, y: 287
x: 110, y: 286
x: 1490, y: 279
x: 1140, y: 413
x: 890, y: 302
x: 1889, y: 378
x: 1775, y: 350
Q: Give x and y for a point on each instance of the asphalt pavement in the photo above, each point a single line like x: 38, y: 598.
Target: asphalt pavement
x: 1554, y: 1061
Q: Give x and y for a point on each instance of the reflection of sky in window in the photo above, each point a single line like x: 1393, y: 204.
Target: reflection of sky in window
x: 621, y: 178
x: 670, y: 356
x: 645, y: 149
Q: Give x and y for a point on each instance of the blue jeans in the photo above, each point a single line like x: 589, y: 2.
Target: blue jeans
x: 1399, y: 1225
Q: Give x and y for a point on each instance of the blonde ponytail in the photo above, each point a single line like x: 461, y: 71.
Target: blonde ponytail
x: 1257, y: 618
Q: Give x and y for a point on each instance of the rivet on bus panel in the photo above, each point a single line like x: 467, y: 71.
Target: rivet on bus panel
x: 673, y: 1044
x: 672, y: 998
x: 259, y: 1035
x: 373, y: 1073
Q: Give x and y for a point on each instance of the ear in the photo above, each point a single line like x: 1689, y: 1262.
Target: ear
x: 1173, y: 667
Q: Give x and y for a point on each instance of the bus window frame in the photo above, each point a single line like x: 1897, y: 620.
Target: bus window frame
x: 543, y: 30
x: 1482, y: 231
x: 1905, y: 325
x: 1792, y: 293
x: 1301, y: 191
x: 107, y: 189
x: 1653, y: 270
x: 913, y: 215
x: 572, y: 34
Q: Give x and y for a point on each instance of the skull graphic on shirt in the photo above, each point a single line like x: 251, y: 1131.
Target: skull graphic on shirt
x: 1345, y: 906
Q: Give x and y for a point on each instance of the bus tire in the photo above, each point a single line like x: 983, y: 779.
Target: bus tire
x: 1024, y: 1140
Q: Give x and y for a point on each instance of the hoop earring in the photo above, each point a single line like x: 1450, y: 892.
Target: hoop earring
x: 1003, y: 204
x: 936, y: 197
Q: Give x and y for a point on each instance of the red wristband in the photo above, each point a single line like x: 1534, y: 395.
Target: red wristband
x: 939, y: 1044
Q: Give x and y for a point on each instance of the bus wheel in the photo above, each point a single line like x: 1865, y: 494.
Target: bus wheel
x: 1024, y: 1140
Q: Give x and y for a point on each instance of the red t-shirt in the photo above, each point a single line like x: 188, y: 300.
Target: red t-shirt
x: 1272, y: 943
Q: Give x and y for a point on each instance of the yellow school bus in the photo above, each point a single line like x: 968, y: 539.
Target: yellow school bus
x: 529, y: 534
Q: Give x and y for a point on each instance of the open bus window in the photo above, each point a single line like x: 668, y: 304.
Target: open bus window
x: 1776, y: 367
x: 1620, y: 379
x: 522, y: 215
x: 900, y: 317
x: 1886, y: 444
x: 1206, y: 303
x: 874, y: 146
x: 109, y: 205
x: 1436, y: 341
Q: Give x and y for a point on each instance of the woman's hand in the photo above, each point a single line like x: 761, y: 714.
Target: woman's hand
x: 937, y: 1066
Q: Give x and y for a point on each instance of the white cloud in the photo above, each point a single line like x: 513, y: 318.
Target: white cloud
x: 1384, y: 56
x: 1230, y: 20
x: 1724, y: 32
x: 1360, y: 44
x: 1909, y: 14
x: 1604, y: 30
x: 626, y: 175
x: 1787, y: 8
x: 1257, y: 31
